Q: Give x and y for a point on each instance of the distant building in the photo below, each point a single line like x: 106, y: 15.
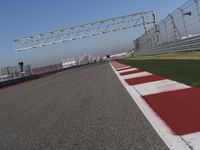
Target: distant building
x: 68, y: 64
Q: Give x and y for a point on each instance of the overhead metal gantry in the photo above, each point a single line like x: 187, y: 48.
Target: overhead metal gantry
x: 85, y: 30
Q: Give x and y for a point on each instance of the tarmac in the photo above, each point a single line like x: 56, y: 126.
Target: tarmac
x: 85, y: 108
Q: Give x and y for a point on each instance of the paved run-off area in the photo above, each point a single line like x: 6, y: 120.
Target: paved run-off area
x: 85, y: 108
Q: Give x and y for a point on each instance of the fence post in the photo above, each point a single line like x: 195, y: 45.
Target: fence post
x: 14, y: 72
x: 156, y: 29
x: 145, y: 29
x: 165, y: 24
x: 198, y: 10
x: 174, y: 27
x: 184, y: 23
x: 0, y: 72
x: 31, y: 70
x: 144, y: 22
x: 19, y: 72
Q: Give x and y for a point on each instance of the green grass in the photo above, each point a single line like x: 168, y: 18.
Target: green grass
x: 182, y: 70
x: 176, y: 55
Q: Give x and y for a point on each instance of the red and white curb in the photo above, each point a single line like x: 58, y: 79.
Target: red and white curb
x: 172, y: 108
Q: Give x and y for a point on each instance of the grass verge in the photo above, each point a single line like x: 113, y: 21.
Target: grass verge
x: 176, y: 55
x: 182, y: 70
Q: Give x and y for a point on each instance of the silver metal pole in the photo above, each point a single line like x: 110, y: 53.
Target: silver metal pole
x: 198, y: 11
x: 31, y: 70
x: 184, y: 23
x: 144, y: 22
x: 166, y: 32
x: 20, y: 75
x: 156, y: 28
x: 0, y: 74
x: 14, y: 72
x: 0, y: 71
x: 175, y: 28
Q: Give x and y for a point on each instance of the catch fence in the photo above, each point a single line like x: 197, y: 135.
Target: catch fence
x: 181, y: 25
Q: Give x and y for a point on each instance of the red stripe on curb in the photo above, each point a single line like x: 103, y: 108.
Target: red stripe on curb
x: 131, y: 72
x: 146, y: 79
x: 179, y: 109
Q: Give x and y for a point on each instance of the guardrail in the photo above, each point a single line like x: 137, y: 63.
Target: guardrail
x: 188, y: 44
x: 36, y: 76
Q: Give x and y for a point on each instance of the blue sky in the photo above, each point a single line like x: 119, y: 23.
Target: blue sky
x: 25, y: 17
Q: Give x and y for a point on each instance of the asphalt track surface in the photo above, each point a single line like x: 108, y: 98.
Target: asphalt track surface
x: 86, y: 108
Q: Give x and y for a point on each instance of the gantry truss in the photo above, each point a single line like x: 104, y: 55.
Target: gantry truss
x: 85, y: 30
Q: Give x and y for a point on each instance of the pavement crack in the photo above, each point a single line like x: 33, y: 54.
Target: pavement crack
x: 187, y: 143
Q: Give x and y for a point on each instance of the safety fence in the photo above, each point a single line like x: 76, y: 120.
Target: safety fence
x: 180, y: 29
x: 47, y: 69
x: 14, y: 72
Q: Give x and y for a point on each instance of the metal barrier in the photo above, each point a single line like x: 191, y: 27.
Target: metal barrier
x: 179, y: 31
x: 46, y: 69
x: 13, y: 72
x: 189, y: 44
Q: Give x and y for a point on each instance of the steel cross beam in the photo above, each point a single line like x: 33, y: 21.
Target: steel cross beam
x: 85, y: 30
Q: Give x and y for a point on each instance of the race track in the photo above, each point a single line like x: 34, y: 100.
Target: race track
x: 85, y: 108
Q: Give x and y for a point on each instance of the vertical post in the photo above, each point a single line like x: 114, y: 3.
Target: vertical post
x: 14, y: 72
x: 31, y: 71
x: 146, y: 32
x: 156, y: 28
x: 184, y: 23
x: 198, y: 11
x: 8, y: 72
x: 19, y: 72
x: 166, y: 32
x: 21, y: 67
x: 174, y: 26
x: 0, y: 72
x: 144, y: 22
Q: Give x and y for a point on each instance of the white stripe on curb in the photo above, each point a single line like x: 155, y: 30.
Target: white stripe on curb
x: 136, y: 75
x: 159, y: 87
x: 172, y: 141
x: 127, y: 70
x: 193, y: 139
x: 124, y: 67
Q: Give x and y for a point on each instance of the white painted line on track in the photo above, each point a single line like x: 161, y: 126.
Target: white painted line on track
x: 159, y: 87
x: 174, y: 142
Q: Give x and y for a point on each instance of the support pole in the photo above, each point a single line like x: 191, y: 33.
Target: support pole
x: 0, y: 72
x: 198, y: 11
x: 174, y: 27
x: 166, y: 32
x: 14, y: 73
x: 157, y: 32
x: 144, y: 22
x: 184, y: 23
x: 145, y: 29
